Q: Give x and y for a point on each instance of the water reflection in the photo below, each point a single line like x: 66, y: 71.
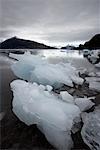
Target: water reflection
x: 63, y: 54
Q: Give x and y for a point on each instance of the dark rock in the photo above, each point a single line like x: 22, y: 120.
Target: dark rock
x: 16, y: 43
x: 16, y: 135
x: 93, y: 43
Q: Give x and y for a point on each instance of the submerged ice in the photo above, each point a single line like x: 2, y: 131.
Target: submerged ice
x: 36, y: 104
x: 36, y: 69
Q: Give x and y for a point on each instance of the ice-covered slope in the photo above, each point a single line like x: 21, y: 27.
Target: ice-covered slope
x: 36, y: 69
x: 34, y: 104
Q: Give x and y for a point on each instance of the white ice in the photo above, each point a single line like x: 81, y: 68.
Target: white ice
x: 94, y: 83
x: 34, y: 104
x: 94, y: 86
x: 36, y: 69
x: 84, y: 103
x: 94, y: 56
x: 97, y: 65
x: 91, y: 129
x: 65, y: 96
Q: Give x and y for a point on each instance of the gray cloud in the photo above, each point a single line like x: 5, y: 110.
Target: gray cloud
x: 50, y: 21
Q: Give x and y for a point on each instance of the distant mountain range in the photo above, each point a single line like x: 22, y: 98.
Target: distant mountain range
x: 16, y: 43
x: 93, y: 43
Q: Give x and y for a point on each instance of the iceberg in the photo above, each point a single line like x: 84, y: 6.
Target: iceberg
x: 37, y: 69
x: 36, y: 104
x: 91, y: 129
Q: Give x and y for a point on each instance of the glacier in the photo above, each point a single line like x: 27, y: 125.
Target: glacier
x: 37, y: 69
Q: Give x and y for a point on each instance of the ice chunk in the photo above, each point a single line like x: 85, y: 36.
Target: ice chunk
x: 92, y: 79
x: 91, y: 129
x: 94, y: 83
x: 92, y: 74
x: 36, y: 69
x: 97, y: 65
x: 94, y: 57
x: 98, y: 74
x: 84, y: 103
x: 94, y: 86
x: 49, y: 88
x: 53, y: 116
x: 66, y: 97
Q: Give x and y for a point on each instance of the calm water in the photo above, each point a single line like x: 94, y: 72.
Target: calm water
x: 55, y: 56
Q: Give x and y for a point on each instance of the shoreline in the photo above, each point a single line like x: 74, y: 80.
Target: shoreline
x: 14, y: 133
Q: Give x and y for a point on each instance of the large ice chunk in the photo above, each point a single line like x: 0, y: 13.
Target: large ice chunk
x: 84, y: 103
x: 34, y: 104
x: 66, y: 97
x: 91, y: 129
x: 36, y: 69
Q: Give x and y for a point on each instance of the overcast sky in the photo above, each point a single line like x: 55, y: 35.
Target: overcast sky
x: 53, y: 22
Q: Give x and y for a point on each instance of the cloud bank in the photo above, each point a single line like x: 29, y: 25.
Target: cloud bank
x: 53, y: 22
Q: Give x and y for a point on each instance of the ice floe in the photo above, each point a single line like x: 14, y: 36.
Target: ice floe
x: 84, y: 103
x: 53, y: 116
x: 94, y: 86
x: 65, y: 96
x: 36, y: 69
x: 94, y: 83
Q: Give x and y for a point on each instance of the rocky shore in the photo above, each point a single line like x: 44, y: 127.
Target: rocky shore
x: 16, y: 135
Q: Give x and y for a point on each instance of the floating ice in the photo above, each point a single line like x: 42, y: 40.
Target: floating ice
x: 36, y: 69
x: 94, y: 83
x: 98, y: 74
x: 33, y: 104
x: 92, y: 79
x: 66, y: 97
x: 94, y: 56
x: 91, y: 129
x: 92, y: 74
x: 49, y: 88
x: 84, y: 103
x: 97, y: 65
x: 94, y: 86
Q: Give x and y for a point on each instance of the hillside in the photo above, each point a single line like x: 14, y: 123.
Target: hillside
x: 93, y: 43
x: 16, y: 43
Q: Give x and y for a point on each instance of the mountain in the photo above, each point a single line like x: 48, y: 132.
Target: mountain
x: 16, y: 43
x: 93, y: 43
